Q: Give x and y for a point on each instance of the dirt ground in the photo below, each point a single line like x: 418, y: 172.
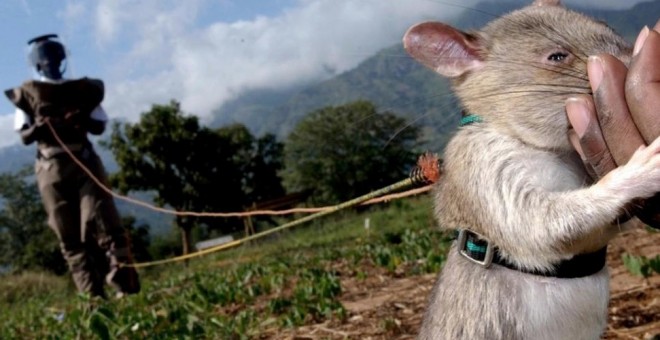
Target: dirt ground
x: 386, y: 307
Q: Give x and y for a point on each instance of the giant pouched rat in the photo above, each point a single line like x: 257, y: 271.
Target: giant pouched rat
x: 515, y: 187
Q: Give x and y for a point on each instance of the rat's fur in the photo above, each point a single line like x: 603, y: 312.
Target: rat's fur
x: 515, y: 179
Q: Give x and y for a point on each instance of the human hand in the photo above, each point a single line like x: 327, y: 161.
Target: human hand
x: 39, y: 120
x: 623, y: 113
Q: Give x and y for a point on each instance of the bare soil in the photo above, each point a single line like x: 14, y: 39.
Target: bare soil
x: 386, y: 306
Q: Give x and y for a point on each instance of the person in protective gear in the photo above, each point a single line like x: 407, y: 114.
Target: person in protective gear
x: 81, y: 214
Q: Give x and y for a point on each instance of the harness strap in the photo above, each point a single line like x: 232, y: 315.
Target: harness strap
x: 477, y: 249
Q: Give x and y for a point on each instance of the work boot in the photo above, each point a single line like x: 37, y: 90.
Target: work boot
x: 124, y: 279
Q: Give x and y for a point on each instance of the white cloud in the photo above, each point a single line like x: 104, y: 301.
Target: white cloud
x: 300, y: 46
x: 144, y: 21
x: 204, y: 67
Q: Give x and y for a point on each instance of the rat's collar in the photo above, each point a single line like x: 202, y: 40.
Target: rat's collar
x: 469, y: 119
x: 477, y: 249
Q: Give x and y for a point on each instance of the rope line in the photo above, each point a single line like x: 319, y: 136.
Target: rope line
x: 428, y: 171
x: 356, y: 201
x: 152, y: 207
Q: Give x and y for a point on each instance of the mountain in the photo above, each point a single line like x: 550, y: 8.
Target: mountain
x: 390, y: 79
x: 395, y: 82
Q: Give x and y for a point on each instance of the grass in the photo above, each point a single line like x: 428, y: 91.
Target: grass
x: 28, y: 285
x: 291, y: 279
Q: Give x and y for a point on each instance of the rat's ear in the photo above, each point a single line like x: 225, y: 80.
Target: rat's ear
x: 443, y: 48
x: 546, y: 3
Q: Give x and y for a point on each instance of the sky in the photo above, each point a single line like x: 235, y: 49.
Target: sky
x: 206, y: 52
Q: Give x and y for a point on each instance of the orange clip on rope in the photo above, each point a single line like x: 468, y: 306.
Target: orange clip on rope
x: 428, y: 169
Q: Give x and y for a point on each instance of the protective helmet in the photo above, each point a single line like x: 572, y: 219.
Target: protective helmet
x: 47, y: 56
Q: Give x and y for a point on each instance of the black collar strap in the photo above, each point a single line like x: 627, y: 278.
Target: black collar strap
x: 477, y: 249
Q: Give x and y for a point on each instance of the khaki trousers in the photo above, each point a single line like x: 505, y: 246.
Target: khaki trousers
x: 86, y: 222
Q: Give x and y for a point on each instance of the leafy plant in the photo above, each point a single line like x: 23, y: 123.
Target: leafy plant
x: 641, y: 265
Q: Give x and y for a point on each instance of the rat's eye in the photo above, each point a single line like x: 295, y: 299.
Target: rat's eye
x: 558, y: 57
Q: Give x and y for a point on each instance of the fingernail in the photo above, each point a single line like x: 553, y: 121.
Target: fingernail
x: 641, y: 38
x: 595, y: 72
x: 577, y: 111
x: 657, y: 26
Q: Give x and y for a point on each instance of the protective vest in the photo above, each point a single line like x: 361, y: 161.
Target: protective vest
x: 56, y: 100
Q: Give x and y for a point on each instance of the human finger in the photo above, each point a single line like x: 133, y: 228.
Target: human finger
x: 588, y: 138
x: 642, y: 86
x: 607, y: 75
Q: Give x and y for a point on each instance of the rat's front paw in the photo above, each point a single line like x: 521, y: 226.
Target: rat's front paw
x: 640, y: 177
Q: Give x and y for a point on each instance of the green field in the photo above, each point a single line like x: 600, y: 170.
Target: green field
x: 289, y: 279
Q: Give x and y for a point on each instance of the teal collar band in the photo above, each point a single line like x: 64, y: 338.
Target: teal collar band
x: 469, y: 119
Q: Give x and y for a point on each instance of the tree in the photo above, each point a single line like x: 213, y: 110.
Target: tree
x: 258, y: 160
x: 26, y: 241
x: 168, y: 153
x: 187, y: 166
x: 345, y: 151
